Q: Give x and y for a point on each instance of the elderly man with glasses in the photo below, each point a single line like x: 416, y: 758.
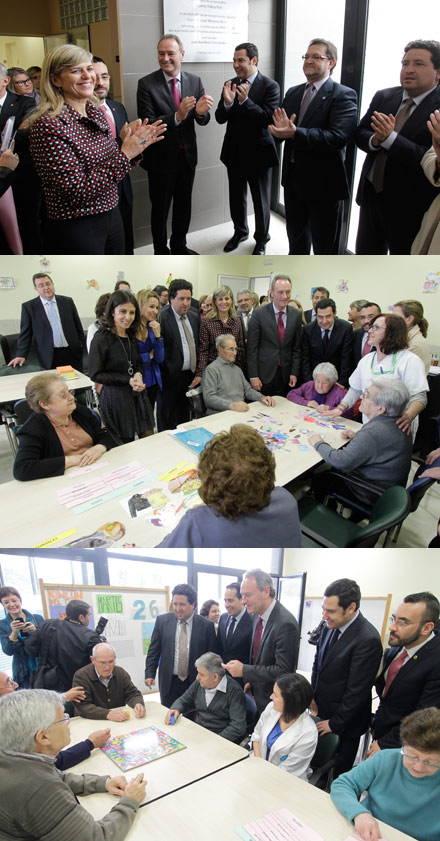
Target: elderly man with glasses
x: 40, y: 802
x: 106, y: 687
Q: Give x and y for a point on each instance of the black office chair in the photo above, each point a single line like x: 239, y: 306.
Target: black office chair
x: 196, y: 402
x: 324, y: 759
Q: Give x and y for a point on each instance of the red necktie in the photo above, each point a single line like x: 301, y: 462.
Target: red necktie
x: 281, y: 331
x: 394, y: 669
x: 257, y: 640
x: 366, y: 349
x: 110, y: 121
x: 175, y: 93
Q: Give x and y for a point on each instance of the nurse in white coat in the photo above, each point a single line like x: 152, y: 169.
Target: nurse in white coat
x: 285, y: 733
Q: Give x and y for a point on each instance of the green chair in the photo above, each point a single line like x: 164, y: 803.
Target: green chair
x: 324, y: 758
x: 320, y: 526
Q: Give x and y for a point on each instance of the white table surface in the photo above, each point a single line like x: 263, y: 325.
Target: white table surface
x: 205, y: 753
x: 13, y: 387
x: 214, y: 806
x: 46, y: 519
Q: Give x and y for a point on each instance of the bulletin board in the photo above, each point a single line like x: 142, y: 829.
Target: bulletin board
x: 375, y: 609
x: 131, y: 613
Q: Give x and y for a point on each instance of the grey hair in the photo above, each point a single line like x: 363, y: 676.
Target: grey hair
x: 95, y: 648
x: 211, y: 662
x: 327, y: 369
x: 361, y: 302
x: 279, y: 277
x: 3, y: 70
x: 393, y: 395
x: 23, y: 713
x: 244, y: 292
x: 262, y: 579
x: 169, y: 35
x: 220, y: 340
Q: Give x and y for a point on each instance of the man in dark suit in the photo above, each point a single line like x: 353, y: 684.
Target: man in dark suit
x: 327, y: 339
x: 26, y: 185
x: 346, y: 662
x: 274, y: 341
x: 318, y: 293
x: 235, y: 628
x: 180, y: 330
x: 178, y: 639
x: 275, y: 640
x: 410, y: 676
x: 117, y: 118
x: 247, y: 104
x: 360, y: 337
x: 54, y: 325
x: 317, y: 120
x: 245, y: 308
x: 394, y: 192
x: 177, y: 98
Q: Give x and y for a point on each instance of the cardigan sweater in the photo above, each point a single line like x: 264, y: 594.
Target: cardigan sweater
x: 225, y: 715
x: 99, y: 698
x: 23, y: 664
x: 224, y: 383
x: 40, y: 453
x: 393, y: 795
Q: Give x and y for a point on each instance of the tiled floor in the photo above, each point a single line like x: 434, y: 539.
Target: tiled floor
x: 417, y: 531
x: 212, y: 240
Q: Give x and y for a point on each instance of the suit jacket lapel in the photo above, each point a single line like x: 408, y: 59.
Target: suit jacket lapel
x: 317, y: 101
x: 418, y: 116
x: 165, y: 86
x: 255, y: 88
x: 175, y: 329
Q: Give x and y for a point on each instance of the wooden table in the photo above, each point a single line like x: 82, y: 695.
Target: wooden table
x: 204, y: 754
x: 214, y: 806
x: 49, y: 523
x: 13, y: 387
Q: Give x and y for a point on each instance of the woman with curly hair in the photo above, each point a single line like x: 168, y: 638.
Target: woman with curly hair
x: 242, y: 505
x: 221, y: 319
x: 115, y: 362
x: 388, y: 335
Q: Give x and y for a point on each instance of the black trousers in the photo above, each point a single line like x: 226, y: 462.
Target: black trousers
x: 310, y: 221
x: 384, y: 227
x: 173, y: 184
x: 102, y: 233
x: 178, y: 687
x: 64, y: 356
x: 346, y: 753
x: 259, y: 185
x: 126, y: 211
x: 276, y: 386
x: 172, y: 403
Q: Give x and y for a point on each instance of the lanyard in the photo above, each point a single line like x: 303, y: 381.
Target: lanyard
x: 380, y: 372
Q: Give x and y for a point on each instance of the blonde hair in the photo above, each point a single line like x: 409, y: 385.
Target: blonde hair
x: 222, y: 290
x: 415, y: 309
x: 142, y: 297
x: 57, y: 59
x: 39, y: 390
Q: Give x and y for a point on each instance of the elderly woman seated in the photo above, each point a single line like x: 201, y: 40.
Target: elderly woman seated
x: 242, y: 505
x: 380, y: 452
x: 323, y: 392
x: 224, y: 385
x: 59, y: 434
x: 217, y: 699
x: 38, y: 800
x: 402, y: 785
x: 286, y: 734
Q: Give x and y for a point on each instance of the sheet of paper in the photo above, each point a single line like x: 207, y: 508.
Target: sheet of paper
x: 55, y: 539
x: 281, y: 825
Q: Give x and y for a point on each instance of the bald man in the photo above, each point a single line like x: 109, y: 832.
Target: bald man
x: 106, y: 687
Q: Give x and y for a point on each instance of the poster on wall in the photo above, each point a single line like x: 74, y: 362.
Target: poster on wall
x: 209, y: 29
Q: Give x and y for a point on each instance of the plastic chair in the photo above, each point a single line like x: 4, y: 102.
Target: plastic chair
x: 324, y: 527
x: 324, y: 758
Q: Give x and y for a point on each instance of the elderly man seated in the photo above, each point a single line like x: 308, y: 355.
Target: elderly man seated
x: 106, y: 686
x: 224, y: 385
x: 380, y: 452
x: 38, y: 800
x: 218, y: 699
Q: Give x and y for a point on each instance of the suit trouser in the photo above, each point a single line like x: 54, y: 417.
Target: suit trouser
x: 384, y: 227
x: 102, y: 233
x: 346, y: 753
x: 276, y: 386
x: 259, y: 185
x: 174, y: 184
x: 172, y: 403
x: 177, y: 688
x: 64, y: 356
x: 310, y: 221
x: 126, y: 211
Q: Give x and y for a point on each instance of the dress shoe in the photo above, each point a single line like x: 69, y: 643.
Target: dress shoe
x: 260, y: 248
x: 235, y: 241
x: 185, y: 250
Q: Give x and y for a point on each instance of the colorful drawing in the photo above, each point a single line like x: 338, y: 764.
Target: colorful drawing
x: 103, y: 536
x: 92, y: 284
x: 432, y: 282
x: 140, y: 747
x: 147, y: 630
x: 7, y: 283
x: 342, y: 286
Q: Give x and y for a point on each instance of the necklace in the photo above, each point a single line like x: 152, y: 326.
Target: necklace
x: 130, y: 369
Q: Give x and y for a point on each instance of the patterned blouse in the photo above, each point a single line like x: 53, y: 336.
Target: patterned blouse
x: 78, y: 161
x: 210, y: 328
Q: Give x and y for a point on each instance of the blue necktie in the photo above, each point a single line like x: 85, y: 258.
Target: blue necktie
x: 55, y: 324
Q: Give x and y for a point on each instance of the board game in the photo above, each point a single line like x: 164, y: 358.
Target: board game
x: 140, y: 747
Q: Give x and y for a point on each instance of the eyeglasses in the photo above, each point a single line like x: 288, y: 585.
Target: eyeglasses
x: 62, y: 720
x: 24, y: 82
x: 423, y: 762
x: 315, y: 57
x: 376, y: 327
x: 403, y: 623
